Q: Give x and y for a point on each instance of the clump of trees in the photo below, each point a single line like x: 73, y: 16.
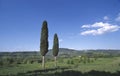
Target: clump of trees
x: 44, y: 44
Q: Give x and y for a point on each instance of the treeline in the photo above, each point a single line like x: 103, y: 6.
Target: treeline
x: 104, y: 53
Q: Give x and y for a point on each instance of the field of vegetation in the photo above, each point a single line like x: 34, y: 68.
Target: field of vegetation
x: 76, y: 63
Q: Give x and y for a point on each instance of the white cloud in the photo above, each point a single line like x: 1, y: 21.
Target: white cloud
x: 106, y: 18
x: 99, y: 24
x: 93, y: 32
x: 102, y: 28
x: 118, y: 18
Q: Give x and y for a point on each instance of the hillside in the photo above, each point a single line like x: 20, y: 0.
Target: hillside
x: 64, y: 52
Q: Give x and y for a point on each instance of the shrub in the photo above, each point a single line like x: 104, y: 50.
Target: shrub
x: 68, y: 62
x: 119, y: 64
x: 71, y: 62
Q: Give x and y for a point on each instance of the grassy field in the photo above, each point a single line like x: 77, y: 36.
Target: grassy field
x: 66, y: 67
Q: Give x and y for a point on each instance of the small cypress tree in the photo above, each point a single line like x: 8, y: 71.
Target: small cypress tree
x: 44, y: 42
x: 55, y: 48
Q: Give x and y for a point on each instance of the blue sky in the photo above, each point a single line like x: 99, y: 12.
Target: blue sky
x: 80, y: 24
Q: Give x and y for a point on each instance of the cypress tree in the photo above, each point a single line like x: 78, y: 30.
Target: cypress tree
x: 44, y: 42
x: 55, y: 48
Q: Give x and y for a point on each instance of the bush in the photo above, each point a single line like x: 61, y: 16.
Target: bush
x: 84, y: 62
x: 119, y: 64
x: 39, y: 61
x: 72, y: 62
x: 68, y: 62
x: 11, y: 61
x: 1, y: 63
x: 31, y: 61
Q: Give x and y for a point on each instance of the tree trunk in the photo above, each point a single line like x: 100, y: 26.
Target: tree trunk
x: 55, y: 61
x: 43, y: 62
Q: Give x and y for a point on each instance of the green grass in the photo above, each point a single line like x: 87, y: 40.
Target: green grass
x: 18, y: 69
x: 101, y: 64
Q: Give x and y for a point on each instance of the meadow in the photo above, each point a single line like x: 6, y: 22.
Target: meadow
x: 65, y: 66
x: 68, y: 64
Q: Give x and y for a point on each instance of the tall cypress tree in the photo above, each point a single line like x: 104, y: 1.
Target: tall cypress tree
x: 55, y: 48
x: 44, y: 42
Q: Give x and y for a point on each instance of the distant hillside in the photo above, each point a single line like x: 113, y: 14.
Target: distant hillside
x: 63, y: 52
x: 67, y: 52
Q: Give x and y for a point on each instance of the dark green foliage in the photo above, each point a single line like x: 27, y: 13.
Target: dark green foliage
x: 70, y: 62
x: 55, y: 45
x: 44, y: 39
x: 119, y: 64
x: 1, y: 63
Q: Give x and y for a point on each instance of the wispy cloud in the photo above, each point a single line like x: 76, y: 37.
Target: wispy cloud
x: 118, y: 18
x: 106, y: 18
x: 86, y: 26
x: 99, y: 28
